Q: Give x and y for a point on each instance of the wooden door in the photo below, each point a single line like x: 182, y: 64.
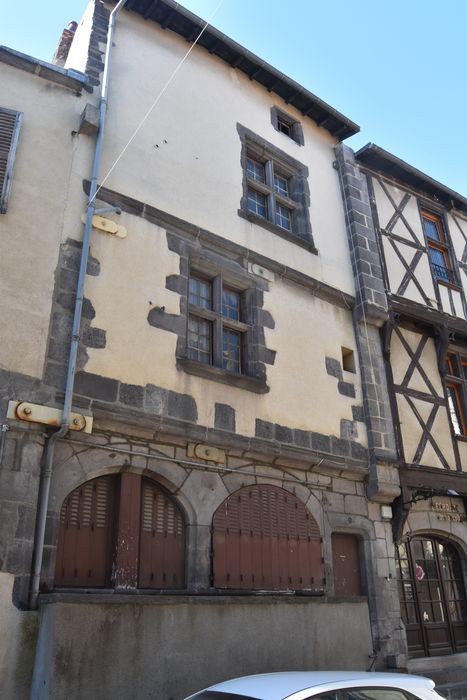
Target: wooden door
x: 346, y: 564
x: 433, y: 600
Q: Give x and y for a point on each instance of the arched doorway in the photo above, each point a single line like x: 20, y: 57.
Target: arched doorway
x: 432, y: 595
x: 121, y: 531
x: 265, y: 538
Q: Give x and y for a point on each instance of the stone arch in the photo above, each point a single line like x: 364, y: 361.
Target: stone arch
x: 265, y: 537
x: 121, y: 529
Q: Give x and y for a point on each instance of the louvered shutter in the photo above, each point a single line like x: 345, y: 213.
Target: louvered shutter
x: 265, y: 538
x: 85, y: 537
x: 162, y: 540
x: 10, y: 123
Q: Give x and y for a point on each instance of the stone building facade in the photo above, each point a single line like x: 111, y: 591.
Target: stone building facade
x: 221, y: 503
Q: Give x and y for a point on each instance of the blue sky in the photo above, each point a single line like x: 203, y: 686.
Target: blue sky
x: 398, y: 69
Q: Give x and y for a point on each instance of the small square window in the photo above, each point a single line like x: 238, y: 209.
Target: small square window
x: 287, y: 124
x: 284, y: 127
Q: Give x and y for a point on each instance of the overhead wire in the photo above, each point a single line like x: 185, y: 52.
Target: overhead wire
x: 158, y: 98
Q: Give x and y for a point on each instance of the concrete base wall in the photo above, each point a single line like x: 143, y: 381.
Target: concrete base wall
x: 18, y: 633
x: 166, y: 648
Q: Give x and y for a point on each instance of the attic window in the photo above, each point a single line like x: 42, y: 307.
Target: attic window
x: 284, y: 127
x: 287, y: 125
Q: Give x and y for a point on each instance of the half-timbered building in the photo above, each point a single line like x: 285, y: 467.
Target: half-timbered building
x: 421, y: 232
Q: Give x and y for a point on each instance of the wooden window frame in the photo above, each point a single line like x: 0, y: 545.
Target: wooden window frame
x: 10, y: 125
x: 455, y: 379
x: 441, y: 246
x: 219, y: 321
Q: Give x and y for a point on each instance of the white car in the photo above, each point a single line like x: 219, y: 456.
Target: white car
x: 322, y: 685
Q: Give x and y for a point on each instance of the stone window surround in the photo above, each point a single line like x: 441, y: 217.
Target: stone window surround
x: 198, y: 259
x: 256, y: 146
x: 214, y: 316
x: 296, y: 130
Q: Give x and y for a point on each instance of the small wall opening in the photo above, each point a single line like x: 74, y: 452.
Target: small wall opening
x: 348, y: 360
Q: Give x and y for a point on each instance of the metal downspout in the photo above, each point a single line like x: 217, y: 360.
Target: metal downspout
x: 46, y: 475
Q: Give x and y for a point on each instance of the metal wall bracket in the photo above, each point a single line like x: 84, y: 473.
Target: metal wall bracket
x: 107, y: 225
x: 35, y: 413
x: 206, y: 452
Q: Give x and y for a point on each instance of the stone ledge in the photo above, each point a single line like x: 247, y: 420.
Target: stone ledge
x: 110, y: 597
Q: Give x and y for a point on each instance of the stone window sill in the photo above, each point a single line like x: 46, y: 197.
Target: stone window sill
x: 264, y: 223
x: 217, y: 374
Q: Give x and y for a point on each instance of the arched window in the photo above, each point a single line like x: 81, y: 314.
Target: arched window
x: 432, y: 595
x: 265, y: 538
x: 120, y: 531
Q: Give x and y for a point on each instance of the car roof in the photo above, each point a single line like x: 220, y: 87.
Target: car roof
x: 280, y: 685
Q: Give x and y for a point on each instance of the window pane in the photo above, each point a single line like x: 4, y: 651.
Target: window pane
x: 255, y: 170
x: 231, y: 304
x: 199, y: 293
x: 284, y: 127
x: 430, y: 229
x: 283, y: 218
x: 281, y: 185
x: 231, y: 350
x: 439, y: 264
x: 455, y: 409
x: 257, y: 203
x: 199, y: 339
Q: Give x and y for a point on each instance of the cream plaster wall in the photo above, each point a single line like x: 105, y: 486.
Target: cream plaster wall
x: 31, y: 230
x: 386, y: 210
x: 395, y: 268
x: 132, y: 281
x: 400, y: 362
x: 412, y: 433
x: 186, y: 157
x: 410, y: 427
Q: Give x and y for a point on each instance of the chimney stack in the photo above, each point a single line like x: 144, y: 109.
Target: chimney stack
x: 63, y: 48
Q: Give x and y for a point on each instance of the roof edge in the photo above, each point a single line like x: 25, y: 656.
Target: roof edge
x: 171, y: 15
x: 69, y: 78
x: 376, y: 158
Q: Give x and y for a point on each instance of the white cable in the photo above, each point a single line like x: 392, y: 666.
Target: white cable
x: 162, y: 91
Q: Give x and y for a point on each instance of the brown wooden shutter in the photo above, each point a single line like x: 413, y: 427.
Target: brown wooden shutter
x: 265, y: 538
x: 85, y: 537
x: 162, y: 540
x: 10, y: 123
